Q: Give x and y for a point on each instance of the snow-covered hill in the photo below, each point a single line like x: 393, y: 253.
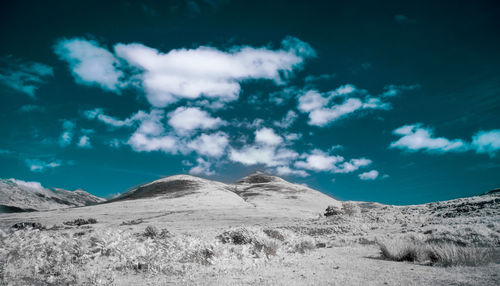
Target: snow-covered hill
x: 18, y: 195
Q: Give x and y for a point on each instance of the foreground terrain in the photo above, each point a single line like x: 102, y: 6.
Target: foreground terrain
x: 261, y: 230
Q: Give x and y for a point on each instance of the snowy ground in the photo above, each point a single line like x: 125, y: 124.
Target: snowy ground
x: 206, y: 241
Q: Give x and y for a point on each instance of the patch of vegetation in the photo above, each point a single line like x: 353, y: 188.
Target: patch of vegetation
x: 133, y: 222
x: 438, y: 254
x: 332, y: 211
x: 28, y: 225
x: 80, y: 222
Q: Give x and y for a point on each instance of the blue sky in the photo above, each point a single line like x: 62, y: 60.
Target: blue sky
x: 388, y: 101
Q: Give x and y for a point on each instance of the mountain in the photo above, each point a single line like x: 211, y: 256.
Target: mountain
x: 189, y: 190
x: 263, y: 190
x: 258, y: 191
x: 18, y: 196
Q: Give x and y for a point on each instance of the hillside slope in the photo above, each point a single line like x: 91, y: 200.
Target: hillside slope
x: 18, y: 196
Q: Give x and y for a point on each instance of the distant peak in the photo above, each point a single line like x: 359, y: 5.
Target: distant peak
x: 259, y: 177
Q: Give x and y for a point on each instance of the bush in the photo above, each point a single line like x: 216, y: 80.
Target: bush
x: 81, y: 221
x: 438, y: 254
x: 333, y: 210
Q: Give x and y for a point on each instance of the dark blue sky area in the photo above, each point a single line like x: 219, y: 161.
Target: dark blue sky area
x: 389, y: 101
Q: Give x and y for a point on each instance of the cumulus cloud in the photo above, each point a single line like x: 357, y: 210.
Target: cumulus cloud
x: 204, y: 72
x: 318, y: 160
x: 287, y: 171
x: 352, y: 165
x: 211, y: 145
x: 267, y: 136
x: 203, y: 168
x: 187, y: 119
x: 24, y: 77
x: 39, y: 166
x: 487, y: 142
x: 207, y: 71
x: 321, y: 161
x: 90, y: 63
x: 416, y: 137
x: 323, y: 108
x: 84, y: 142
x: 370, y: 175
x: 266, y: 150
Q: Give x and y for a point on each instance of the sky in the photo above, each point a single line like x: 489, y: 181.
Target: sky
x: 390, y: 101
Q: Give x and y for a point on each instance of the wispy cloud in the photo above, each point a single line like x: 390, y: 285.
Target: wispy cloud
x: 39, y: 166
x: 25, y: 77
x: 67, y: 134
x: 417, y: 137
x: 323, y: 108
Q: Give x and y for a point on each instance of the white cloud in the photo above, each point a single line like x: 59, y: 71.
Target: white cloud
x: 267, y: 136
x: 370, y: 175
x: 38, y: 166
x: 207, y: 71
x: 323, y: 116
x: 487, y: 142
x: 67, y: 134
x: 187, y: 119
x: 318, y: 160
x: 287, y: 171
x: 266, y: 150
x: 25, y: 77
x: 323, y: 111
x: 203, y: 168
x: 90, y: 63
x: 35, y: 186
x: 287, y: 121
x: 415, y: 137
x: 84, y: 142
x: 270, y: 156
x: 352, y: 165
x: 324, y: 108
x: 141, y: 142
x: 311, y: 100
x: 211, y: 145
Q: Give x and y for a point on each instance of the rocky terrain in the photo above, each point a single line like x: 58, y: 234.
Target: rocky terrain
x: 21, y: 196
x: 260, y: 230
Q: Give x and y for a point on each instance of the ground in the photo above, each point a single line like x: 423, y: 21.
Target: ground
x: 247, y: 245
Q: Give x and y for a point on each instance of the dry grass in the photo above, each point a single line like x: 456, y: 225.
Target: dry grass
x: 438, y: 254
x: 58, y: 257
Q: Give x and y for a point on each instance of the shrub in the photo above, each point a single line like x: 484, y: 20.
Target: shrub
x: 151, y: 231
x: 81, y: 221
x: 304, y: 245
x: 439, y: 254
x: 333, y: 210
x: 272, y: 233
x: 133, y: 222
